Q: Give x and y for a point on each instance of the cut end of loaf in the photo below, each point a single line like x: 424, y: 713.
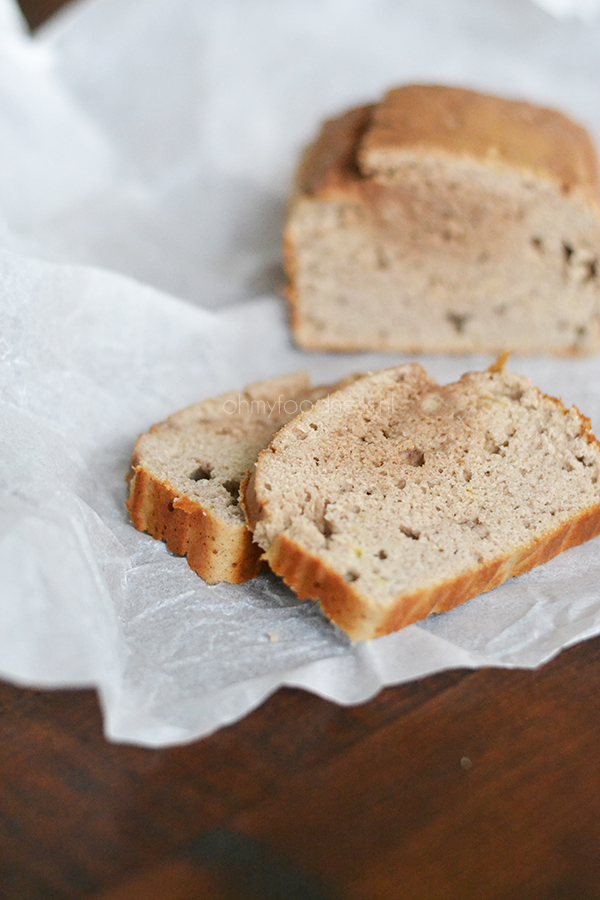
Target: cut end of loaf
x: 446, y: 221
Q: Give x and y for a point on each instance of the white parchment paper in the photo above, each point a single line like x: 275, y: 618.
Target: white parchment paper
x: 146, y: 152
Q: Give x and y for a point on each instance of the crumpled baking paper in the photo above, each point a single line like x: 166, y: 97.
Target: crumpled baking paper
x: 146, y: 153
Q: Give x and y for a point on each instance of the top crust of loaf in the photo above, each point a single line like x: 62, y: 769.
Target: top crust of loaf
x: 371, y: 141
x: 329, y: 163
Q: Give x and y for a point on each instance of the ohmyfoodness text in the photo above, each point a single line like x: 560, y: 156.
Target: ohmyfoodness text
x: 333, y: 404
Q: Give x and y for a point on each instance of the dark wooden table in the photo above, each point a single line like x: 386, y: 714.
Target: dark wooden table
x: 463, y: 786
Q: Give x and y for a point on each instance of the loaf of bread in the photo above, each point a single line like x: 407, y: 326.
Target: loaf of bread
x: 396, y: 497
x: 442, y: 220
x: 185, y: 473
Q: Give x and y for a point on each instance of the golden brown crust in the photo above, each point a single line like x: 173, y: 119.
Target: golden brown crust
x: 310, y: 579
x: 487, y: 128
x: 217, y: 551
x: 450, y: 121
x: 329, y: 164
x: 579, y: 529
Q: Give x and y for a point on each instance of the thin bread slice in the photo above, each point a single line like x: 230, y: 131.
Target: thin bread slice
x: 185, y: 474
x: 399, y: 497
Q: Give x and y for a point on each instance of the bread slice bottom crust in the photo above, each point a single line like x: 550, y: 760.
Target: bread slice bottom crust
x: 322, y: 539
x: 311, y: 579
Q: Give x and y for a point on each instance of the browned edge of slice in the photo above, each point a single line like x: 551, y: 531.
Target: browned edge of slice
x: 306, y: 574
x: 190, y: 530
x: 360, y: 618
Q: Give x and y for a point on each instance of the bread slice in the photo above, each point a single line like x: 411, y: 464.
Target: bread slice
x: 443, y: 220
x: 397, y: 497
x: 185, y: 474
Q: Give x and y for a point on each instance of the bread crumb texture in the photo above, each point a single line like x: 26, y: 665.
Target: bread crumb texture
x: 397, y: 497
x: 446, y: 220
x: 186, y: 472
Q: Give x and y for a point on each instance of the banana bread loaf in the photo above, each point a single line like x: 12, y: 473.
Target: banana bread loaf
x: 443, y: 220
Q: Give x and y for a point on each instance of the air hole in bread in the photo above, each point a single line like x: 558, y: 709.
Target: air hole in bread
x: 325, y: 528
x: 415, y: 457
x: 202, y: 473
x: 233, y: 488
x: 567, y: 252
x: 351, y: 576
x: 490, y: 444
x: 538, y: 244
x: 382, y: 555
x: 413, y: 535
x: 514, y: 393
x: 458, y: 320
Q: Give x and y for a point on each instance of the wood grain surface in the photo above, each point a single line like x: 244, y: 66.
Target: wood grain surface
x: 463, y: 786
x: 479, y: 785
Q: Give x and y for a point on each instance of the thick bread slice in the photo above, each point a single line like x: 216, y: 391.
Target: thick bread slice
x: 445, y: 220
x: 186, y: 472
x: 397, y: 497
